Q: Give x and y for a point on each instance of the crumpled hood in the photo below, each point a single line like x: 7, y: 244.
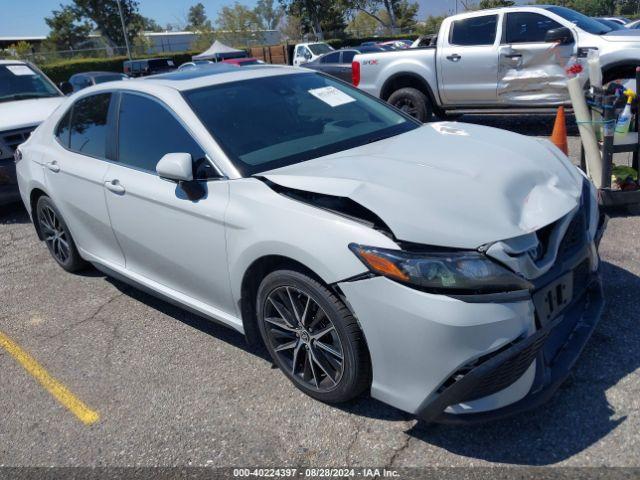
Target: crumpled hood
x: 26, y: 113
x: 448, y: 184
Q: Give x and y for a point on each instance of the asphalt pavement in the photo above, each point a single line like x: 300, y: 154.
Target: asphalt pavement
x: 170, y: 388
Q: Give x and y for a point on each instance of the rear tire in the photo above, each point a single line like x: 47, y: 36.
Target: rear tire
x: 413, y: 102
x: 293, y: 310
x: 56, y: 235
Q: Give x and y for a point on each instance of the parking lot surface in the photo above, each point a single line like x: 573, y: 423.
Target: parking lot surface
x: 171, y: 388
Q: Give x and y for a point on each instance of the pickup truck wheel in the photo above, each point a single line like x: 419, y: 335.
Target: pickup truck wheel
x: 412, y: 102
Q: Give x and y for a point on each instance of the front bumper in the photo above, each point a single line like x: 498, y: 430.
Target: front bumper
x: 453, y: 361
x: 557, y: 347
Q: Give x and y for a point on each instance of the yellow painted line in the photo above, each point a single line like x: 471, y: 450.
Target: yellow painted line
x: 54, y: 387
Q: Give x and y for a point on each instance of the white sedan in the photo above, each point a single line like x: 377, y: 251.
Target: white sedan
x: 449, y: 269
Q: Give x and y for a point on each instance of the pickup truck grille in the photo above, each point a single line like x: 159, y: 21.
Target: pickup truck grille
x: 10, y: 140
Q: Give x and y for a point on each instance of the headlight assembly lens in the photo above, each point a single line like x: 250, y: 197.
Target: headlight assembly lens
x: 465, y: 272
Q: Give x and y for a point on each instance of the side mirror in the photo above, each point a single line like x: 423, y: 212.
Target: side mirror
x: 66, y: 88
x: 560, y: 35
x: 177, y: 167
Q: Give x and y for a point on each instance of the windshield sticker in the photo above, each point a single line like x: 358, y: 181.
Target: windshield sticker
x: 331, y: 96
x: 20, y: 70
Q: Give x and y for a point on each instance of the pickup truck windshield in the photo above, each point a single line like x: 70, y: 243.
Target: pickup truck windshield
x: 581, y: 21
x: 319, y: 48
x: 266, y: 123
x: 21, y: 82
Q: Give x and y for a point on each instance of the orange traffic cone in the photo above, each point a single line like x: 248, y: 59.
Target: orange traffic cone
x: 559, y: 134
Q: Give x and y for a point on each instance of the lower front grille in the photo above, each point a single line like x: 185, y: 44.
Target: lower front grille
x: 13, y: 138
x: 507, y: 373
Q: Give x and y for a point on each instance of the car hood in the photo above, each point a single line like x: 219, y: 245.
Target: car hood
x: 27, y: 113
x: 448, y: 184
x: 626, y: 35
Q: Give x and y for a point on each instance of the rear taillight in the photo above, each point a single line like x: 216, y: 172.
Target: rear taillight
x: 355, y: 73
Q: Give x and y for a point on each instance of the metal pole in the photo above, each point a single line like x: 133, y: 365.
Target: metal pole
x: 124, y: 30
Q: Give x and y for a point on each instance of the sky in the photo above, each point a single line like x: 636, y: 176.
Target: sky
x: 26, y: 17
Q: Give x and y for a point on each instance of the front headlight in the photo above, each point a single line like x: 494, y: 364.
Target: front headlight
x: 465, y: 272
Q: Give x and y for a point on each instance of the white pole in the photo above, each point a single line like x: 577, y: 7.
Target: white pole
x: 124, y: 30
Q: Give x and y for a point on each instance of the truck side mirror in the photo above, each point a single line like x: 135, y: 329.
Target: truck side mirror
x: 560, y: 35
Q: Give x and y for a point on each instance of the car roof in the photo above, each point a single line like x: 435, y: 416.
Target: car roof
x: 214, y: 74
x: 12, y: 62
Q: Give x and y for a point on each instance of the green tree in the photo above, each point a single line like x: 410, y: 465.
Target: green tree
x: 317, y: 16
x: 67, y: 29
x: 106, y: 17
x: 269, y: 14
x: 431, y: 25
x: 362, y: 25
x: 150, y: 25
x: 291, y: 28
x: 237, y: 18
x: 592, y: 8
x: 495, y: 3
x: 405, y: 14
x: 21, y: 49
x: 197, y: 19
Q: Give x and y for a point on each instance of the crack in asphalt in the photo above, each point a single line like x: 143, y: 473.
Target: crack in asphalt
x: 398, y: 451
x: 91, y: 317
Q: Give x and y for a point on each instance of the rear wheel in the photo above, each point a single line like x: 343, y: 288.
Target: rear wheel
x: 413, y: 102
x: 56, y: 235
x: 312, y: 337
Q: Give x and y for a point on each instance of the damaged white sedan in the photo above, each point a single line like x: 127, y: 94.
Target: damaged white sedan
x: 449, y: 269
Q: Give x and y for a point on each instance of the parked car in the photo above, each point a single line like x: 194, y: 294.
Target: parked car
x: 338, y: 63
x: 27, y: 97
x: 243, y: 62
x: 633, y: 25
x: 194, y: 64
x: 148, y: 66
x: 610, y: 23
x: 500, y: 58
x: 397, y: 44
x: 308, y: 52
x: 352, y: 240
x: 619, y: 20
x: 85, y: 79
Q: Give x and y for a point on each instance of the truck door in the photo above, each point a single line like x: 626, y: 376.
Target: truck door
x: 532, y: 71
x: 468, y: 60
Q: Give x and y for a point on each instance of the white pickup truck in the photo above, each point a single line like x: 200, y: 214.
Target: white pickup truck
x: 499, y: 58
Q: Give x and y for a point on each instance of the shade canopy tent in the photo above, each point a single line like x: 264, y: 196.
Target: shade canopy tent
x: 219, y: 51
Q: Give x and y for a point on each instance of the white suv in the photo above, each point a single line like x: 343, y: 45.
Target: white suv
x: 27, y: 97
x: 451, y: 269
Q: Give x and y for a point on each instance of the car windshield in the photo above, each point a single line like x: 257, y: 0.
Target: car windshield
x: 610, y: 24
x: 21, y: 82
x: 109, y: 78
x: 581, y: 21
x: 319, y: 48
x: 315, y: 115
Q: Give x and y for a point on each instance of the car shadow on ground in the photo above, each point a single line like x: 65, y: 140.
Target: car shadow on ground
x: 13, y: 213
x: 535, y: 124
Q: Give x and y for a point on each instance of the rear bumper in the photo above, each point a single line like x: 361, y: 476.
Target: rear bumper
x: 557, y: 347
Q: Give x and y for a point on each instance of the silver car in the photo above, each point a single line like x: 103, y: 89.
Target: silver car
x: 450, y: 270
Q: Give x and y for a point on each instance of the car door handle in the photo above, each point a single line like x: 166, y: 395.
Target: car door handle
x: 514, y: 55
x: 53, y: 166
x: 454, y: 58
x: 115, y: 186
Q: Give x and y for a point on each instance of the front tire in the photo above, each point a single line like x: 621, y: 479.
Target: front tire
x: 56, y: 235
x: 312, y: 337
x: 413, y: 102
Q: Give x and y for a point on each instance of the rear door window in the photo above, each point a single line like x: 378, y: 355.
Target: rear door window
x: 347, y: 56
x: 89, y: 125
x: 62, y: 130
x: 526, y: 27
x: 474, y: 31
